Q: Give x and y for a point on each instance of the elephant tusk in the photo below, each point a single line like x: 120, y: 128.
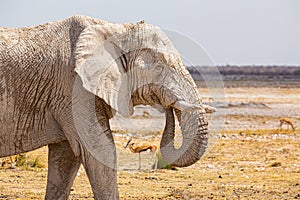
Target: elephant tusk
x: 209, y: 109
x: 185, y: 106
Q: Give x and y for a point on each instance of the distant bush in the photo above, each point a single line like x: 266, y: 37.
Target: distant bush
x: 27, y: 162
x: 162, y: 164
x: 251, y: 70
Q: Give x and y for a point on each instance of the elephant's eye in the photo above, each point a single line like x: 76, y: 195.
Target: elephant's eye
x: 159, y: 69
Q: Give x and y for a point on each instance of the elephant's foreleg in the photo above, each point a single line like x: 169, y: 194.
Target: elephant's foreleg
x: 102, y: 173
x: 62, y: 169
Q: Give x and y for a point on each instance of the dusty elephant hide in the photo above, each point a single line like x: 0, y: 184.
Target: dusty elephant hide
x: 62, y: 81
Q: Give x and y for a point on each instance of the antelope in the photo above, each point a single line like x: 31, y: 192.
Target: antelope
x: 146, y: 114
x: 8, y: 160
x: 286, y: 121
x: 138, y: 149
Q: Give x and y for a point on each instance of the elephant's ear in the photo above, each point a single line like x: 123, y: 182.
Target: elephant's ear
x: 100, y: 68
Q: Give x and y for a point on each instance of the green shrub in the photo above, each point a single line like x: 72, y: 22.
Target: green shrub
x: 21, y: 160
x: 26, y: 162
x: 161, y: 163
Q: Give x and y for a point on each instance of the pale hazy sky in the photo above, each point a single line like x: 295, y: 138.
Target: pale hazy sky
x: 232, y: 31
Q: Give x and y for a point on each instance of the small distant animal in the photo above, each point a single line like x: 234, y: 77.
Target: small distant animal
x: 140, y: 148
x: 146, y: 114
x: 288, y: 122
x: 8, y: 161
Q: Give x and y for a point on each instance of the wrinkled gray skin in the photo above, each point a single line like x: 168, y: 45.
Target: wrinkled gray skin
x: 38, y: 94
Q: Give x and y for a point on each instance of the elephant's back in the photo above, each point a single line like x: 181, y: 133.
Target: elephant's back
x: 8, y: 38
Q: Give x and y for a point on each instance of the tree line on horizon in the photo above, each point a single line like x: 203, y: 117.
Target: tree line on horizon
x: 248, y: 70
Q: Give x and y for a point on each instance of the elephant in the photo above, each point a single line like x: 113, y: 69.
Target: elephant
x: 61, y: 83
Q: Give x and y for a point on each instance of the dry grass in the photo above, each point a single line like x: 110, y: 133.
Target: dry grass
x: 241, y: 167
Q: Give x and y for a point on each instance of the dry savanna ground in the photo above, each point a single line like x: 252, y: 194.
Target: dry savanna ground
x: 248, y: 157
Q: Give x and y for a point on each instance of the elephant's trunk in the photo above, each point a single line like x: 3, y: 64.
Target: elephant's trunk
x: 195, y: 136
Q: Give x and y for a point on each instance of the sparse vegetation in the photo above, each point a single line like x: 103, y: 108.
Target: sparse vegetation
x: 26, y: 161
x: 161, y: 163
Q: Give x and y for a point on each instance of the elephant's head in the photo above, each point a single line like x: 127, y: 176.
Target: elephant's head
x: 133, y: 64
